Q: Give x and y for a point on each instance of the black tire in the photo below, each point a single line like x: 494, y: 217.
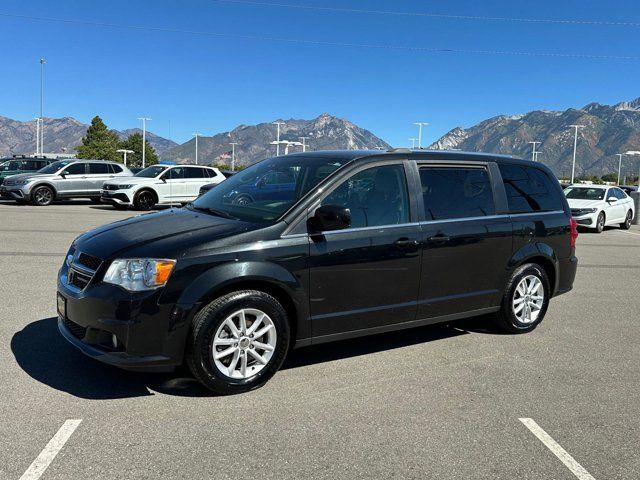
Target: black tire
x: 600, y: 222
x: 626, y: 225
x: 144, y: 200
x: 505, y: 318
x: 199, y: 354
x: 42, y: 196
x: 242, y: 200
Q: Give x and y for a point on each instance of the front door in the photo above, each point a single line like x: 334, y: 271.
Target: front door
x: 466, y: 247
x: 171, y: 187
x: 366, y: 276
x: 73, y: 180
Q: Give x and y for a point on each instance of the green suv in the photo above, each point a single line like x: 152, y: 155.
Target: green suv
x: 19, y: 164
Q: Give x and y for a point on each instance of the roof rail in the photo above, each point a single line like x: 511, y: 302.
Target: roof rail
x: 399, y: 150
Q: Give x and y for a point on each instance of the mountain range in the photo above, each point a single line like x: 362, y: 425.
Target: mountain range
x: 608, y: 130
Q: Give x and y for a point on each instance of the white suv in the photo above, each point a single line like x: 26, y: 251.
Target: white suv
x: 159, y: 184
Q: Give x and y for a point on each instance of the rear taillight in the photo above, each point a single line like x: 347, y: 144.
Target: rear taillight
x: 573, y: 225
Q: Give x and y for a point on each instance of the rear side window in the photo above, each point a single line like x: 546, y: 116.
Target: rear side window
x: 529, y: 189
x: 619, y: 193
x: 456, y: 193
x: 195, y: 172
x: 115, y: 168
x: 98, y: 168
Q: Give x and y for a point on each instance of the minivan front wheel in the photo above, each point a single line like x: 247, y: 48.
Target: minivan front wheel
x: 525, y: 300
x: 238, y: 342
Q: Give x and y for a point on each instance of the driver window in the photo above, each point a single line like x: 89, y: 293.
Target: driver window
x: 174, y: 174
x: 377, y: 196
x: 74, y: 169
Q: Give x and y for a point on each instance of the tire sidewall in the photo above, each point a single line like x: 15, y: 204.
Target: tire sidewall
x: 144, y: 207
x: 39, y: 204
x: 519, y: 274
x: 207, y: 322
x: 599, y: 224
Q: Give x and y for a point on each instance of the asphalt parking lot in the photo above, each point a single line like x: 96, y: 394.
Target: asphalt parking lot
x: 439, y: 402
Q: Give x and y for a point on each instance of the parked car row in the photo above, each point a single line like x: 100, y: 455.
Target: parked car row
x: 597, y: 206
x: 105, y: 182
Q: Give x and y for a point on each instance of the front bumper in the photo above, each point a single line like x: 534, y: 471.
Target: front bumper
x: 119, y: 197
x: 14, y: 193
x: 589, y: 220
x: 134, y: 331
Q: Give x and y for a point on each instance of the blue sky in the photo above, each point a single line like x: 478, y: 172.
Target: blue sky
x: 189, y: 82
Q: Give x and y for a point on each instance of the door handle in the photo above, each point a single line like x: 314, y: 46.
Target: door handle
x: 405, y: 242
x: 439, y: 239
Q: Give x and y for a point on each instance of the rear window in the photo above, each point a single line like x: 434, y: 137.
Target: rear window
x: 456, y: 193
x: 529, y: 189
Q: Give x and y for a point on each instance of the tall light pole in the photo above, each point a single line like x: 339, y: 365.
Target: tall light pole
x: 413, y: 142
x: 278, y: 137
x: 124, y: 152
x: 535, y: 159
x: 144, y: 139
x: 233, y: 156
x: 42, y: 62
x: 620, y: 155
x: 420, y: 125
x: 575, y: 147
x: 37, y: 135
x: 197, y: 134
x: 304, y: 143
x: 533, y: 153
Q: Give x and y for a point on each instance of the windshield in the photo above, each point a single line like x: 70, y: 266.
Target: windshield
x: 266, y: 190
x: 585, y: 193
x: 151, y: 172
x: 55, y: 166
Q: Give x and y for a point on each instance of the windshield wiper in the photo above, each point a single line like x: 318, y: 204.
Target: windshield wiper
x: 213, y: 211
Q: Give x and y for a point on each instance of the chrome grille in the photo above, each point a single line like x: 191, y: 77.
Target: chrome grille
x: 78, y: 279
x: 82, y: 269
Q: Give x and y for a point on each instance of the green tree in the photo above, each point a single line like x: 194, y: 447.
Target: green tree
x: 610, y: 177
x: 99, y: 143
x: 134, y: 142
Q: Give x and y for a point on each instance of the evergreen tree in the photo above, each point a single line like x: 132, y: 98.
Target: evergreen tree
x: 99, y: 143
x: 134, y: 142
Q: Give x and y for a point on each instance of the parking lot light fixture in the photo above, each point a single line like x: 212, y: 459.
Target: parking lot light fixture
x: 575, y: 147
x: 124, y: 153
x: 420, y: 125
x: 620, y: 155
x: 197, y: 134
x: 144, y: 139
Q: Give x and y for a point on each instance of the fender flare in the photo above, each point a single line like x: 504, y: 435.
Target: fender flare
x: 537, y: 250
x: 45, y: 184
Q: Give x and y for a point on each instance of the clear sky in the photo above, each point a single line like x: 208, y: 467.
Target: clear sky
x: 239, y: 74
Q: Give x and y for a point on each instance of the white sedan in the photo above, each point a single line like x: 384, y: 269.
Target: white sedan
x: 596, y: 206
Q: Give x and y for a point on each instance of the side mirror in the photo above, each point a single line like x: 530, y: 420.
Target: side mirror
x: 329, y: 217
x: 260, y: 183
x: 612, y: 199
x: 63, y: 174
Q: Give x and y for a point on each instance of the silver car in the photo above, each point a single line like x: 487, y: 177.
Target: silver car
x: 62, y: 180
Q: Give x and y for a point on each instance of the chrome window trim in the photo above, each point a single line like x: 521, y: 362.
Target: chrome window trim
x: 425, y: 222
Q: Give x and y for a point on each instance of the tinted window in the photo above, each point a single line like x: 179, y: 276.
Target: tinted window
x: 175, y: 173
x: 619, y: 193
x: 196, y: 172
x: 55, y: 166
x: 529, y: 189
x: 456, y: 193
x: 12, y: 165
x: 377, y: 196
x: 211, y: 173
x: 584, y: 193
x: 115, y: 168
x: 99, y: 168
x: 75, y: 169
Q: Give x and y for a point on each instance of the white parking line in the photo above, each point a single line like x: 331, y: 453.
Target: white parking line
x: 577, y: 469
x: 42, y: 461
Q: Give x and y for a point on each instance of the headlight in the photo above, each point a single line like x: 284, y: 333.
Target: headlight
x: 21, y: 183
x: 584, y: 211
x: 139, y: 274
x: 124, y: 187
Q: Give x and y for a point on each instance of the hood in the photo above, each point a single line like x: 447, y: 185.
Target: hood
x: 131, y: 179
x: 576, y: 203
x: 20, y: 176
x: 166, y: 234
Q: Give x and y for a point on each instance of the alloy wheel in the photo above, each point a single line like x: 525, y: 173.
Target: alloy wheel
x: 146, y: 200
x: 43, y: 196
x: 528, y: 299
x: 244, y: 343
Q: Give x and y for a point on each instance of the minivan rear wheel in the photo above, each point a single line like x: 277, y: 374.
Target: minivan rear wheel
x: 238, y: 342
x: 525, y: 300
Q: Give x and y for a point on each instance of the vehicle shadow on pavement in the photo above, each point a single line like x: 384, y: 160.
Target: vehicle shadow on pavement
x: 47, y: 357
x: 44, y: 355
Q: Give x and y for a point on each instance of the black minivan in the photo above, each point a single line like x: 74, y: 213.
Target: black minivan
x: 367, y: 242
